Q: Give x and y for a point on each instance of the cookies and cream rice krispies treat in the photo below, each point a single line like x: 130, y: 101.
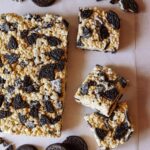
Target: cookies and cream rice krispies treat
x: 113, y: 131
x: 33, y: 55
x: 101, y: 90
x: 98, y: 30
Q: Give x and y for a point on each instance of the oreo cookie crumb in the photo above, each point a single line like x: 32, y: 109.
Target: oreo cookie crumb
x: 12, y: 44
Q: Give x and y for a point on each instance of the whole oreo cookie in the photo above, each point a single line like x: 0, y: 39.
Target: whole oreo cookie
x: 43, y: 3
x: 56, y: 146
x: 75, y: 143
x: 27, y: 147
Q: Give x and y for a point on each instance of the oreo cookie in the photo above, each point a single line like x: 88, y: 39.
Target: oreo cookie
x: 27, y: 147
x: 43, y: 3
x: 56, y: 146
x: 75, y: 143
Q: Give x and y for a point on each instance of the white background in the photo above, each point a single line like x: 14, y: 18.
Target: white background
x: 132, y: 61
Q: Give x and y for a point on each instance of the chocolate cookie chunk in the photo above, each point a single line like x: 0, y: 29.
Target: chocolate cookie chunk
x: 75, y: 143
x: 56, y: 146
x: 27, y: 147
x: 43, y: 3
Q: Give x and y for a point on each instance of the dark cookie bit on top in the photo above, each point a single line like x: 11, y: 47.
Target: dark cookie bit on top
x: 49, y: 107
x: 28, y: 85
x: 19, y: 103
x: 12, y: 43
x: 12, y: 58
x: 129, y: 5
x: 101, y: 133
x: 121, y: 131
x: 55, y: 54
x: 34, y: 109
x: 86, y: 13
x: 113, y: 19
x: 53, y: 41
x: 5, y: 114
x: 47, y: 71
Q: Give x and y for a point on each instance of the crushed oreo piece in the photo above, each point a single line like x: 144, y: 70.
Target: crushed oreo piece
x: 60, y: 65
x: 1, y: 99
x: 121, y: 131
x: 113, y: 19
x: 55, y: 120
x: 122, y: 81
x: 56, y: 54
x: 101, y: 133
x: 34, y: 109
x: 1, y: 63
x: 86, y: 13
x: 87, y: 32
x: 57, y: 85
x: 2, y: 82
x: 103, y: 32
x: 24, y: 34
x: 31, y: 39
x: 66, y: 23
x: 10, y: 89
x: 111, y: 94
x: 12, y: 58
x: 53, y: 41
x: 129, y: 5
x: 19, y: 103
x: 79, y: 42
x: 12, y: 44
x: 47, y: 71
x: 28, y: 85
x: 5, y: 114
x: 22, y: 118
x: 44, y: 120
x: 84, y: 89
x: 49, y: 107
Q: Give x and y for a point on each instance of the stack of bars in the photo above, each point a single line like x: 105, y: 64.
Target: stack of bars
x: 102, y: 90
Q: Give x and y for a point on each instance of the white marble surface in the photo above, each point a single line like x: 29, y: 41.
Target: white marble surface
x: 134, y: 51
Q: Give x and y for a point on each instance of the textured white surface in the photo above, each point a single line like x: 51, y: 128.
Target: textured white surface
x: 80, y: 63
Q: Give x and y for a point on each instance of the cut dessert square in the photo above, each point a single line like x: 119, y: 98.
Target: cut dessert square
x: 113, y: 131
x: 33, y: 54
x: 98, y: 30
x: 101, y: 90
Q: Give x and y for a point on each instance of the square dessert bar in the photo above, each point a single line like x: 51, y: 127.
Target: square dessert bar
x: 113, y: 131
x: 98, y: 30
x: 33, y: 54
x: 101, y: 90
